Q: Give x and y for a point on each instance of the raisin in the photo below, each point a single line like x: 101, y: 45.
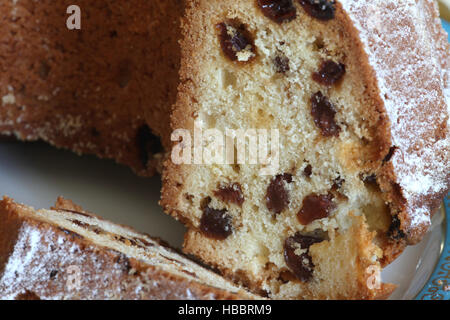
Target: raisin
x: 216, y: 224
x: 315, y: 207
x: 278, y: 10
x: 281, y: 63
x: 232, y: 193
x: 53, y: 274
x: 300, y: 264
x: 277, y: 197
x: 320, y: 9
x: 329, y: 73
x: 307, y: 172
x: 147, y: 143
x: 234, y: 40
x: 323, y: 113
x: 390, y: 154
x: 395, y: 232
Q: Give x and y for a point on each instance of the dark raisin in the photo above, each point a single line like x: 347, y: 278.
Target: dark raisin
x: 315, y: 207
x: 307, y: 172
x: 232, y: 193
x: 234, y: 40
x: 390, y: 154
x: 329, y: 73
x: 53, y: 274
x: 320, y: 9
x: 281, y: 63
x: 300, y: 264
x: 395, y: 232
x: 216, y: 224
x: 323, y: 113
x: 278, y: 10
x: 148, y: 144
x: 277, y: 197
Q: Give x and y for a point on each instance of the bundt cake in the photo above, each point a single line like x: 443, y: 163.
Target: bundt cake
x: 354, y: 96
x: 105, y: 89
x: 68, y: 253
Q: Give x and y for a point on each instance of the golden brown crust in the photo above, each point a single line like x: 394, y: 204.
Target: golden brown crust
x: 105, y: 273
x: 90, y: 90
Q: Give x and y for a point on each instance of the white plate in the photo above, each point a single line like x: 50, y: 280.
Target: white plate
x: 36, y: 174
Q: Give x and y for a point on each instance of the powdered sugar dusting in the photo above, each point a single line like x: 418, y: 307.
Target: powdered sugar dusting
x: 414, y: 88
x: 55, y: 247
x: 23, y: 270
x: 23, y: 255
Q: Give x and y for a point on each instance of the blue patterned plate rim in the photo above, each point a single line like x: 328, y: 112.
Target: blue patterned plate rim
x: 438, y: 285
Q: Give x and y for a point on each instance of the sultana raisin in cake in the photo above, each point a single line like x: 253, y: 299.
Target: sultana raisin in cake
x: 359, y: 92
x: 106, y: 89
x: 43, y: 251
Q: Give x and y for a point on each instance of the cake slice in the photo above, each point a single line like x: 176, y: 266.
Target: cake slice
x: 354, y: 97
x: 105, y: 89
x: 67, y: 253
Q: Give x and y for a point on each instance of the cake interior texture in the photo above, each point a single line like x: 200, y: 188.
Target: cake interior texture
x: 320, y: 225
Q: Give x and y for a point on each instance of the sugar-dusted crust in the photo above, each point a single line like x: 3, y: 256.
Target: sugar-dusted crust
x: 406, y: 107
x: 42, y: 259
x: 90, y: 90
x: 410, y: 55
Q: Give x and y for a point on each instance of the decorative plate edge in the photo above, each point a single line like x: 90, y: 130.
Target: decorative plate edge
x: 438, y: 286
